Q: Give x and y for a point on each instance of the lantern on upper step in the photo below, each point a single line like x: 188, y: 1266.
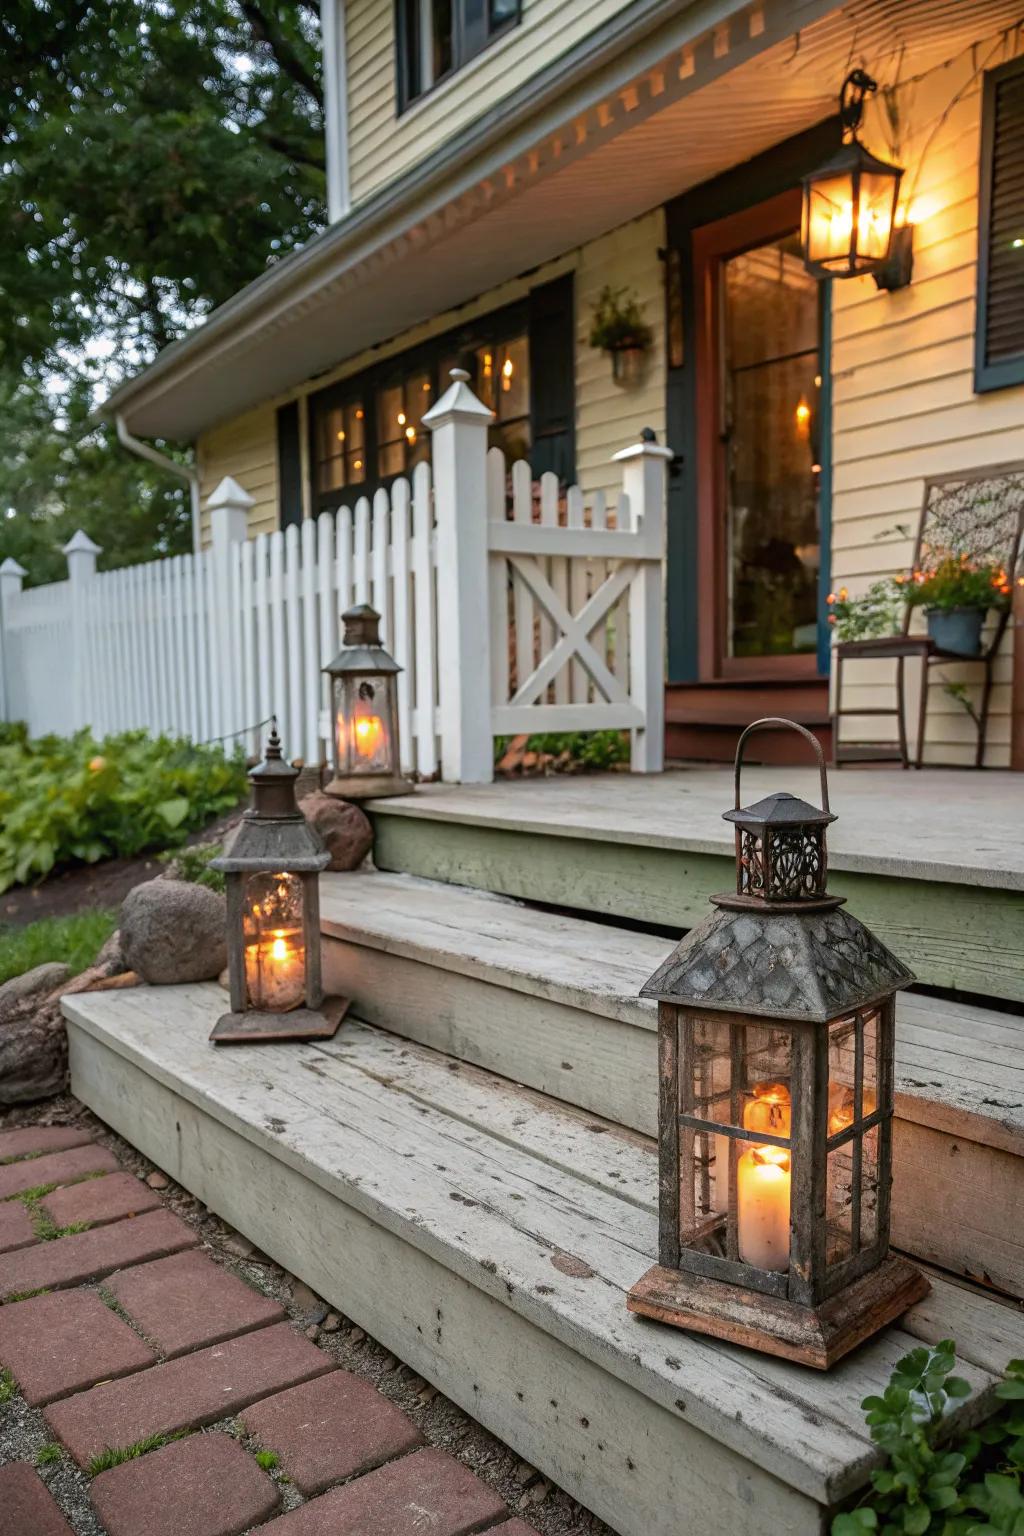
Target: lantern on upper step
x: 776, y: 1043
x: 848, y: 226
x: 272, y: 869
x: 364, y: 712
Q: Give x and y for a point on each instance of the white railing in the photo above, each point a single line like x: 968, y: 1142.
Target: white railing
x: 510, y: 606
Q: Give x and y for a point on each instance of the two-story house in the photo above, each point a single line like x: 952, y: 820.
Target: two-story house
x: 494, y: 165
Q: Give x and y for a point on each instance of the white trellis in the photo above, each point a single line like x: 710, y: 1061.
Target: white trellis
x: 511, y: 606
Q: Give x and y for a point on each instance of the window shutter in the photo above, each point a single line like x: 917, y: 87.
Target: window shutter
x: 289, y: 465
x: 552, y: 327
x: 1000, y: 338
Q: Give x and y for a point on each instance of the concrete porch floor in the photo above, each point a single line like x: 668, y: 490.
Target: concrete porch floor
x: 948, y: 825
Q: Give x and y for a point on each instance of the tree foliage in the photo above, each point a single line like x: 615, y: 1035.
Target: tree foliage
x: 157, y: 155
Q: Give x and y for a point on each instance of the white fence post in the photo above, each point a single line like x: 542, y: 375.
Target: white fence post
x: 11, y: 576
x: 644, y: 472
x: 80, y: 553
x: 459, y: 423
x: 229, y: 506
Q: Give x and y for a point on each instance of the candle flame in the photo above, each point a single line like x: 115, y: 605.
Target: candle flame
x: 776, y: 1158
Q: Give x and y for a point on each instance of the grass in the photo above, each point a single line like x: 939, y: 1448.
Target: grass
x: 12, y: 1296
x: 47, y: 1231
x: 47, y: 1454
x: 113, y: 1457
x: 30, y: 1196
x: 8, y: 1386
x: 75, y: 940
x: 268, y: 1460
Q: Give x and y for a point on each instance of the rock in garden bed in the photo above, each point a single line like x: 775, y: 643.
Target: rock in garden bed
x: 173, y: 931
x: 345, y: 828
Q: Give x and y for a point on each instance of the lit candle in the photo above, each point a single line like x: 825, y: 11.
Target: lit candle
x: 762, y: 1207
x: 769, y: 1110
x: 275, y: 970
x: 841, y: 1115
x: 367, y: 735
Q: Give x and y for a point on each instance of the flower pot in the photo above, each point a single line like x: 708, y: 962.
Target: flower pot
x: 956, y: 629
x: 628, y: 365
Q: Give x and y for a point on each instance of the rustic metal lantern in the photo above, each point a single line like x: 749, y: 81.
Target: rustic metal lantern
x: 364, y: 710
x: 272, y: 867
x: 776, y: 1030
x: 849, y: 204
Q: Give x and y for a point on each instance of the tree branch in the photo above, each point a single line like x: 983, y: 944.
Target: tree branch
x: 282, y: 50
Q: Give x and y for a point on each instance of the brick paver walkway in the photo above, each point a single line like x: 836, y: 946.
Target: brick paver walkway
x: 169, y: 1343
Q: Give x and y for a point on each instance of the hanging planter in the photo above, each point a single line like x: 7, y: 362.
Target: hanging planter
x: 618, y: 327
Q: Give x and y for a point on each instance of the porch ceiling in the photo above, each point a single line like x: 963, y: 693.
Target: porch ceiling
x: 670, y: 110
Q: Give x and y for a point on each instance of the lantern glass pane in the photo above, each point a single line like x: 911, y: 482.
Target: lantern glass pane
x: 273, y: 912
x: 363, y: 716
x: 739, y: 1076
x: 876, y: 206
x: 828, y: 220
x: 852, y: 1183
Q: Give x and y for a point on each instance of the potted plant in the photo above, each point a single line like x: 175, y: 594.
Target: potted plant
x: 956, y: 593
x: 618, y: 327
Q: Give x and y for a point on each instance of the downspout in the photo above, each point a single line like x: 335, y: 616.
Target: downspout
x: 334, y: 50
x: 183, y: 471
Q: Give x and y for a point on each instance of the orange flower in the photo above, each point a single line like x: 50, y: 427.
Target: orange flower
x: 830, y: 599
x: 97, y: 764
x: 899, y: 580
x: 843, y: 594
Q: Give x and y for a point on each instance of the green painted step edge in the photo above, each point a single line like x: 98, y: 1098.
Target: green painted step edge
x: 964, y: 937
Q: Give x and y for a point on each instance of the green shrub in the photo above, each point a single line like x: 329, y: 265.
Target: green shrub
x: 967, y: 1486
x: 193, y: 864
x: 594, y: 749
x: 75, y: 940
x: 71, y: 799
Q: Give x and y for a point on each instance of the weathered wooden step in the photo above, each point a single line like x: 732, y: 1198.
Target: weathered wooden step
x: 551, y: 1001
x: 945, y: 891
x: 487, y: 1236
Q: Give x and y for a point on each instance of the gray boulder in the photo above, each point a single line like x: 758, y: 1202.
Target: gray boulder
x: 33, y: 1055
x: 31, y: 986
x: 345, y: 829
x: 172, y: 931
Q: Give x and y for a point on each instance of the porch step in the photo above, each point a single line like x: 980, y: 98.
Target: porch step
x: 945, y: 893
x: 551, y: 1001
x: 487, y: 1236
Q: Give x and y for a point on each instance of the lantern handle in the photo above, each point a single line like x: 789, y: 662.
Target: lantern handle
x: 774, y: 722
x: 857, y: 85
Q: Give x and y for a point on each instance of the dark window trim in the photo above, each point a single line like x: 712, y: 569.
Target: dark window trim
x: 495, y: 326
x: 289, y: 465
x: 461, y: 55
x: 1009, y: 370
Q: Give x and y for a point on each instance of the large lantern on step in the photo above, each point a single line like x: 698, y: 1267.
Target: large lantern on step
x: 272, y: 869
x: 364, y: 712
x: 776, y: 1029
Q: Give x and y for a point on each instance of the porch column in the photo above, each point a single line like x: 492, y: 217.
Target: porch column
x: 644, y: 476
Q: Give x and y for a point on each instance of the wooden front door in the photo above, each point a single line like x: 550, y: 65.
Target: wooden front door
x: 755, y: 480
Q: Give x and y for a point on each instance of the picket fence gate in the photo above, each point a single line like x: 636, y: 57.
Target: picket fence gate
x: 510, y: 605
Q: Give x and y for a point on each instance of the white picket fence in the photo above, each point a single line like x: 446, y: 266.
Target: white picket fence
x: 511, y: 607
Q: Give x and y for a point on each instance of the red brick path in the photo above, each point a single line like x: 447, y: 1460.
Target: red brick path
x: 170, y: 1342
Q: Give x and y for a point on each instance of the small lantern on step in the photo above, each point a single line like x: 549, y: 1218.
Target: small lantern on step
x: 364, y: 711
x: 272, y: 869
x: 776, y: 1030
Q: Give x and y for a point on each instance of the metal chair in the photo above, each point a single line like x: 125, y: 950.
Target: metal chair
x: 979, y: 512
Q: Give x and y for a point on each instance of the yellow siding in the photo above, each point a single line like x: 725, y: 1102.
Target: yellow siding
x: 246, y: 449
x: 904, y: 401
x: 607, y: 417
x: 382, y: 144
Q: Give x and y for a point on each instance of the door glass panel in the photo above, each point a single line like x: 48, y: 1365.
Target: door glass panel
x: 770, y: 422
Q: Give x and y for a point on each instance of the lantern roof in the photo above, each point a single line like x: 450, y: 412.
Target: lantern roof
x: 273, y: 834
x: 780, y: 809
x: 361, y: 650
x: 811, y: 966
x: 852, y: 159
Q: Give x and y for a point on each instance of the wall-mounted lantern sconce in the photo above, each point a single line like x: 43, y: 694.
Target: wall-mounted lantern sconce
x: 849, y: 205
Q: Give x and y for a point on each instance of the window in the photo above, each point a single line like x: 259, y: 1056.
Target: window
x: 436, y: 37
x: 999, y: 340
x: 367, y: 430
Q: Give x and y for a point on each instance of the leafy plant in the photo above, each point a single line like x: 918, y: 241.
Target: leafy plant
x: 8, y: 1386
x: 268, y: 1460
x: 970, y: 1486
x: 192, y: 863
x: 592, y: 749
x: 72, y: 799
x: 75, y: 940
x: 956, y: 581
x: 617, y: 321
x: 48, y: 1454
x: 875, y: 613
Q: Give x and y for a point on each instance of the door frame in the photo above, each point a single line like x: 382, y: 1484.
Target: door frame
x: 692, y: 643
